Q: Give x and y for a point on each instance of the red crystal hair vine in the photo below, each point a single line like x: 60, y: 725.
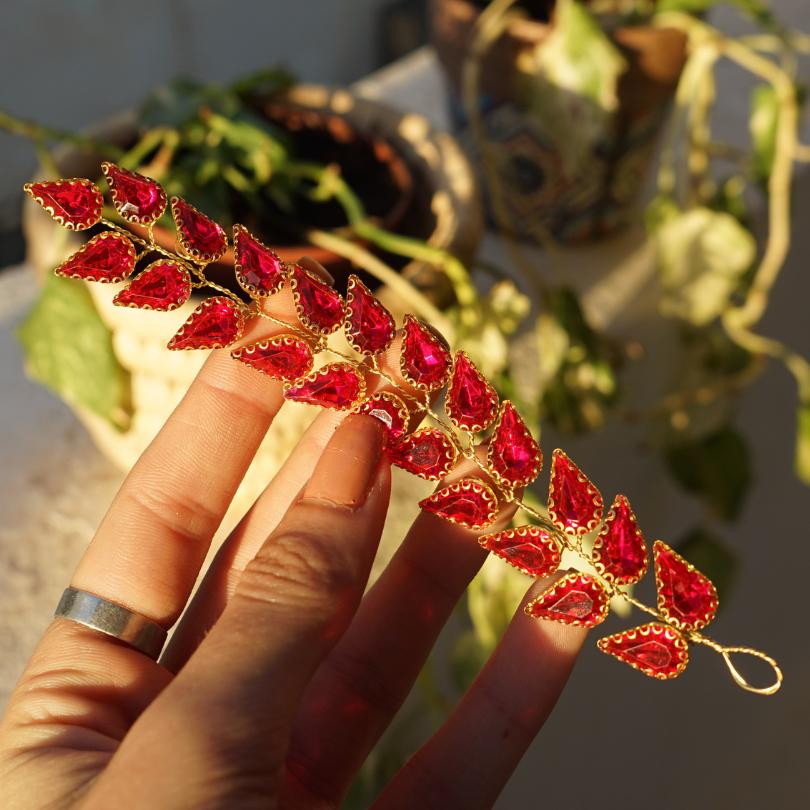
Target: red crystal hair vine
x: 508, y: 458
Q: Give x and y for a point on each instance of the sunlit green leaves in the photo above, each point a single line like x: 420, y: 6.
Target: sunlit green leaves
x: 570, y: 82
x: 492, y: 598
x: 702, y: 257
x: 206, y: 144
x: 579, y: 379
x: 716, y: 467
x: 503, y: 309
x: 763, y: 124
x: 69, y: 349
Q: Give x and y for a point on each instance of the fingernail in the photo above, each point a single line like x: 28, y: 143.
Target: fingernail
x: 347, y: 470
x: 316, y: 267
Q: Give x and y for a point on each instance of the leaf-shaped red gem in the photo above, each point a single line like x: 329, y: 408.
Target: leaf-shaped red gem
x: 163, y: 285
x: 319, y: 306
x: 514, y: 455
x: 201, y: 239
x: 468, y: 502
x: 217, y: 322
x: 654, y: 649
x: 424, y: 357
x: 428, y: 453
x: 574, y: 503
x: 369, y: 325
x: 107, y: 257
x: 619, y: 551
x: 472, y: 403
x: 337, y: 385
x: 390, y: 410
x: 258, y: 270
x: 528, y: 548
x: 283, y: 357
x: 685, y: 596
x: 137, y: 198
x: 575, y: 599
x: 75, y: 203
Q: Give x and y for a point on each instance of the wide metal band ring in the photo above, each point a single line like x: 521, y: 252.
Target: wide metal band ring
x: 113, y: 620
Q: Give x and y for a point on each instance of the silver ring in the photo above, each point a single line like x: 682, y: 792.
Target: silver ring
x: 113, y: 620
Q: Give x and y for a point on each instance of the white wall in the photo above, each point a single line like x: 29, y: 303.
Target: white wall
x: 70, y: 62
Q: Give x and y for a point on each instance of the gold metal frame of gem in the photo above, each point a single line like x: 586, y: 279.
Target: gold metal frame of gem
x: 465, y: 442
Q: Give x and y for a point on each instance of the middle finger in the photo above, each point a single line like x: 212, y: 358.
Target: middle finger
x: 362, y: 684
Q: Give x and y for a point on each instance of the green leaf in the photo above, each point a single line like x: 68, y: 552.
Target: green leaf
x: 574, y: 367
x: 468, y: 656
x: 712, y: 557
x: 716, y: 467
x: 68, y: 348
x: 492, y: 598
x: 702, y: 256
x: 763, y: 124
x: 571, y: 81
x: 803, y: 444
x: 263, y: 83
x: 661, y: 209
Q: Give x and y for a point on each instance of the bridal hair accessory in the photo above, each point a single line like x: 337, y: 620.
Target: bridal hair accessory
x: 506, y: 459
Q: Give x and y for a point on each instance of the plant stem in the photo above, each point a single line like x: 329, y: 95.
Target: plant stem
x: 738, y: 321
x: 42, y: 134
x: 387, y: 275
x: 331, y: 184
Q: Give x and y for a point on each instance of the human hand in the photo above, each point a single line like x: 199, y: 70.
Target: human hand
x: 281, y: 676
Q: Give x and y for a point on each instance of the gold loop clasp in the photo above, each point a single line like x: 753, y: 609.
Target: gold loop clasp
x: 727, y: 652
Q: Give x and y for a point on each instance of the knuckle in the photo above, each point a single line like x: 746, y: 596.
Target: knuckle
x: 187, y: 518
x: 299, y: 567
x: 366, y: 681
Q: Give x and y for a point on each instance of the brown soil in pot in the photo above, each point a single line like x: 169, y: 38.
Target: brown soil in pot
x: 376, y: 173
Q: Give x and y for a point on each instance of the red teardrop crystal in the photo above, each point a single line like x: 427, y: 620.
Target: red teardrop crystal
x: 284, y: 357
x: 574, y: 503
x: 162, y: 286
x: 258, y: 270
x: 528, y: 548
x: 575, y: 599
x: 469, y: 502
x: 201, y: 239
x: 369, y: 325
x: 76, y: 203
x: 428, y: 453
x: 472, y: 402
x: 424, y: 358
x: 619, y: 551
x: 319, y: 306
x: 390, y: 410
x: 107, y: 257
x: 654, y: 649
x: 217, y: 322
x: 337, y: 385
x: 137, y: 198
x: 685, y: 596
x: 514, y: 455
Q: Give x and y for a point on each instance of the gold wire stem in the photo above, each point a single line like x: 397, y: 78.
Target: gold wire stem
x: 465, y: 443
x: 698, y: 638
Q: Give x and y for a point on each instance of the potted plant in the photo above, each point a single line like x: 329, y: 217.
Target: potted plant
x: 715, y: 267
x: 309, y: 170
x: 561, y: 103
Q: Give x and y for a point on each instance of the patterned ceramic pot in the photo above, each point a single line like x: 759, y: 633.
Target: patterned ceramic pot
x: 539, y: 194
